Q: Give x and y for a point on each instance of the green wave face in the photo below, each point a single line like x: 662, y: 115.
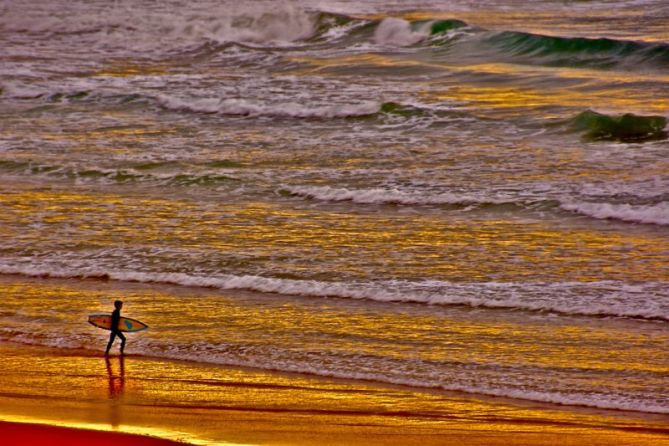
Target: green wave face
x: 579, y: 51
x: 395, y: 108
x: 441, y: 26
x: 624, y: 128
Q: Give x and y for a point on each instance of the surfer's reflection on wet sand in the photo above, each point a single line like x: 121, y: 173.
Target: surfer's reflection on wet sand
x: 116, y: 388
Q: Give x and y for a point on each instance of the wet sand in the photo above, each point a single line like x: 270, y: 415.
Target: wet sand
x: 207, y: 404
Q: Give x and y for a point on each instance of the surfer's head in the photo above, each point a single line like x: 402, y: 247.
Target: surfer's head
x: 118, y: 304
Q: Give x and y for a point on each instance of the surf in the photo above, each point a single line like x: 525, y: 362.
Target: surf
x: 620, y: 300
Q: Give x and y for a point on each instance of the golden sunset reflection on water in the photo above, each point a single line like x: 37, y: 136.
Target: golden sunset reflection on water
x: 408, y: 246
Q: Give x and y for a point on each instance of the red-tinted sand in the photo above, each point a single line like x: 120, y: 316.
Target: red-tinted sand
x: 24, y: 434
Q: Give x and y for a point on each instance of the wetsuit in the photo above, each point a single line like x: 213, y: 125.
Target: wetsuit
x: 116, y: 317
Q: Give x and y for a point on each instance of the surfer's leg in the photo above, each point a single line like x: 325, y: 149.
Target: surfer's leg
x: 112, y: 335
x: 122, y: 338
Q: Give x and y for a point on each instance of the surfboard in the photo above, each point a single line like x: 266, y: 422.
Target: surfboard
x: 124, y: 324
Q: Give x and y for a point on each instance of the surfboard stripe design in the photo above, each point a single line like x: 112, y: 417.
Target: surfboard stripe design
x: 125, y: 324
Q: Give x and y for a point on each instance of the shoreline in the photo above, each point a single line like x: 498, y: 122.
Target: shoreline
x: 93, y: 285
x: 211, y: 404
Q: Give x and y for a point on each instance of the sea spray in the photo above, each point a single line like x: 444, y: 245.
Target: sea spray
x: 398, y: 32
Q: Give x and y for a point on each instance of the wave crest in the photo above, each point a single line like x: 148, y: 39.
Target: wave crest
x: 579, y: 51
x: 387, y: 196
x: 635, y: 213
x: 244, y: 107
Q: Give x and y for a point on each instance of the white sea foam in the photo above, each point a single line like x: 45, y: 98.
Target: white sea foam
x: 651, y: 214
x: 235, y: 106
x: 391, y: 196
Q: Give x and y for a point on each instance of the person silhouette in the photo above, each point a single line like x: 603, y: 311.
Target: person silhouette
x: 115, y: 319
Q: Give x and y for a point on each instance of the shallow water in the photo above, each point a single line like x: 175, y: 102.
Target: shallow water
x: 433, y: 194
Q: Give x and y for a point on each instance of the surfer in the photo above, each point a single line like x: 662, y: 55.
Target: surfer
x: 115, y: 318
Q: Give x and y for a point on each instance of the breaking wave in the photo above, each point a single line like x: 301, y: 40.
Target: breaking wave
x: 524, y: 47
x: 271, y: 25
x: 230, y: 106
x: 120, y: 25
x: 602, y: 53
x: 600, y: 299
x: 398, y: 32
x: 288, y: 109
x: 657, y: 214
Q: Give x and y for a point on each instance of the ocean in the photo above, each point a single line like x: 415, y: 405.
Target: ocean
x: 451, y: 195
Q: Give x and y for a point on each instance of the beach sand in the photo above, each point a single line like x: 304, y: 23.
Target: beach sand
x: 207, y: 404
x: 30, y: 434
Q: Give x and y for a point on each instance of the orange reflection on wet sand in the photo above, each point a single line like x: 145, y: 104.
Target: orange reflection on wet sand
x: 208, y: 404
